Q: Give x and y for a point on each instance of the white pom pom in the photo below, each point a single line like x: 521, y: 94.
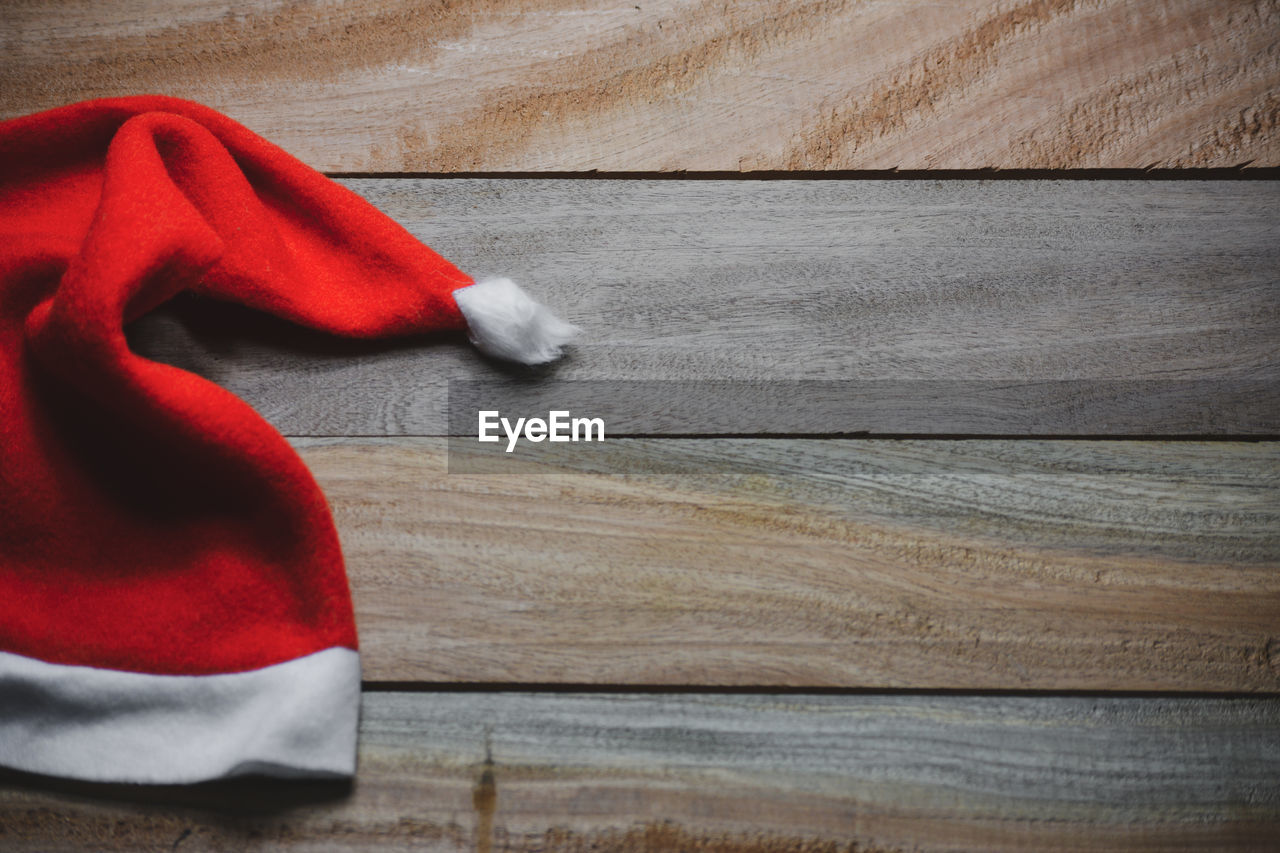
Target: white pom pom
x: 505, y: 322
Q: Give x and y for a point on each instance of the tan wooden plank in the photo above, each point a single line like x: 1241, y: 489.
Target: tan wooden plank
x: 1046, y: 565
x: 976, y: 307
x: 496, y: 85
x: 726, y: 774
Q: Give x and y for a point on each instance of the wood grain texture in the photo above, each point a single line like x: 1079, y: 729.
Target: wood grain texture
x: 395, y: 85
x: 872, y: 564
x: 729, y: 774
x: 1087, y: 307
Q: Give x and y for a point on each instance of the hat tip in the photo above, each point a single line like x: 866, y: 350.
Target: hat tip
x: 505, y: 322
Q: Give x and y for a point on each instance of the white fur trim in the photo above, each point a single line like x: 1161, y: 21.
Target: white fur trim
x: 505, y: 322
x: 296, y: 719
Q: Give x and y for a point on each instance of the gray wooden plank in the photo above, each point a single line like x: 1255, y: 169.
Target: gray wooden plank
x: 730, y: 773
x: 992, y: 564
x: 935, y: 307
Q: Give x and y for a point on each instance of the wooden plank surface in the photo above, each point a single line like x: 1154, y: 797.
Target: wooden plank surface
x: 394, y: 85
x: 974, y: 307
x: 727, y: 774
x: 1052, y: 565
x: 1098, y: 308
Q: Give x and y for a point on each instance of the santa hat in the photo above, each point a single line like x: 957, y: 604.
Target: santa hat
x: 173, y: 603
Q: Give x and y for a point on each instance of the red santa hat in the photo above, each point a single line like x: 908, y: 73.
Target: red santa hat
x: 173, y: 603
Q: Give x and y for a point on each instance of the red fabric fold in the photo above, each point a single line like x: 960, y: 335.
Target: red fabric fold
x: 151, y: 521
